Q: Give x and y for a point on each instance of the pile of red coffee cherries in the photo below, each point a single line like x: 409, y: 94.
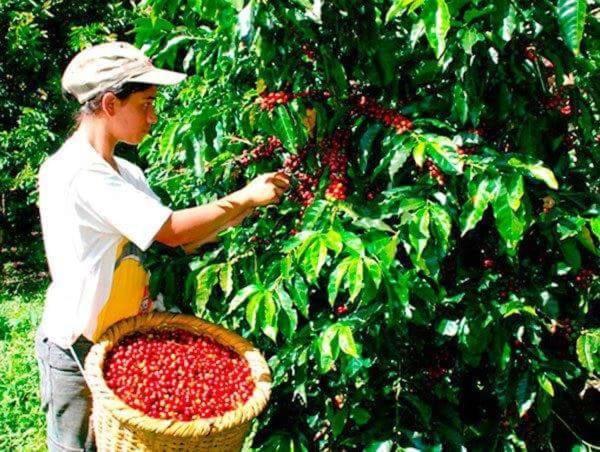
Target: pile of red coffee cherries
x: 175, y: 374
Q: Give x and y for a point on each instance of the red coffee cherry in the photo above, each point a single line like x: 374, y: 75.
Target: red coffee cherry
x: 269, y: 100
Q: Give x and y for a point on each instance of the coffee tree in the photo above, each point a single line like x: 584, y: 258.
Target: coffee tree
x: 429, y: 280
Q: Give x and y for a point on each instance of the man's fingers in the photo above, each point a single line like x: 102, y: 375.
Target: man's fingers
x: 281, y: 178
x: 284, y: 185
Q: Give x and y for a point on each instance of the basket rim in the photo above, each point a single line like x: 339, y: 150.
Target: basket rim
x: 133, y: 417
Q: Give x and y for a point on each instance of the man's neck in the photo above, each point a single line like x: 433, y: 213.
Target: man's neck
x: 103, y: 142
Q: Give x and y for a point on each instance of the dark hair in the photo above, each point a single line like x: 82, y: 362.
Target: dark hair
x: 121, y: 91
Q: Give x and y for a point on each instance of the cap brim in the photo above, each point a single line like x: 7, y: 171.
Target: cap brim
x: 157, y: 76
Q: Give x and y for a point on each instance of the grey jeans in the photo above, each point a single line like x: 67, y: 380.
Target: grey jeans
x: 65, y: 397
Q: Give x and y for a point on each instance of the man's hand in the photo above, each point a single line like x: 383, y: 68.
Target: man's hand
x: 266, y: 189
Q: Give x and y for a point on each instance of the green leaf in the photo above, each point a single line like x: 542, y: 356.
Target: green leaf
x: 374, y: 271
x: 205, y: 281
x: 511, y: 225
x: 525, y: 396
x: 333, y: 241
x: 422, y: 408
x: 299, y: 291
x: 313, y: 259
x: 479, y: 11
x: 335, y: 73
x: 436, y: 17
x: 447, y: 327
x: 571, y: 253
x: 366, y: 143
x: 335, y: 279
x: 284, y: 126
x: 441, y: 222
x: 545, y: 384
x: 372, y: 223
x: 242, y: 296
x: 595, y: 225
x: 571, y: 21
x: 538, y: 171
x: 267, y: 316
x: 226, y: 278
x: 418, y: 230
x: 338, y: 422
x: 516, y: 307
x: 585, y: 238
x: 352, y: 242
x: 314, y: 213
x: 380, y: 446
x: 588, y: 350
x: 460, y: 108
x: 396, y: 153
x: 299, y: 241
x: 327, y: 353
x: 252, y: 309
x: 399, y: 7
x: 355, y: 276
x: 544, y: 174
x: 168, y: 53
x: 516, y: 189
x: 508, y: 23
x: 469, y: 38
x: 444, y: 155
x: 569, y: 226
x: 387, y: 250
x: 288, y: 317
x: 360, y: 415
x: 346, y: 341
x: 419, y: 153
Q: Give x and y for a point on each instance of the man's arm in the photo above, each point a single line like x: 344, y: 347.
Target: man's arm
x: 213, y: 237
x: 199, y: 223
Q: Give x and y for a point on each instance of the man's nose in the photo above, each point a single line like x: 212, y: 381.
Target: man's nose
x: 152, y: 119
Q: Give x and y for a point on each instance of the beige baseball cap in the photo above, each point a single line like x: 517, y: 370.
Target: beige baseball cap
x: 108, y: 65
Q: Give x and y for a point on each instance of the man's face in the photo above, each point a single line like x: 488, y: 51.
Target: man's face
x: 134, y: 116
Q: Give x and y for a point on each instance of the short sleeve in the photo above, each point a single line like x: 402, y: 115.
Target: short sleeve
x: 116, y: 205
x: 138, y: 176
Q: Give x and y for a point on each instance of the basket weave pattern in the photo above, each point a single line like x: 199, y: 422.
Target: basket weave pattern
x: 119, y: 427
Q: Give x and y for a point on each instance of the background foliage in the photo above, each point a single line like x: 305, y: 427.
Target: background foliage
x: 34, y: 117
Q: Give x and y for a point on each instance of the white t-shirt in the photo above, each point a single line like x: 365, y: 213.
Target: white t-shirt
x: 89, y: 212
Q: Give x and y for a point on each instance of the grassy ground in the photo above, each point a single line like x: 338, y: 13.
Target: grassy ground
x: 22, y: 424
x: 23, y: 282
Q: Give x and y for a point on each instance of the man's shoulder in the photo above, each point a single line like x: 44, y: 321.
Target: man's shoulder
x: 59, y: 161
x: 131, y: 167
x: 69, y: 160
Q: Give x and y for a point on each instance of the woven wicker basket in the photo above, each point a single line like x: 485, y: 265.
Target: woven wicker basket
x: 118, y: 427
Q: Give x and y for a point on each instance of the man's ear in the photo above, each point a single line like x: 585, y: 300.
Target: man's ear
x: 108, y: 103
